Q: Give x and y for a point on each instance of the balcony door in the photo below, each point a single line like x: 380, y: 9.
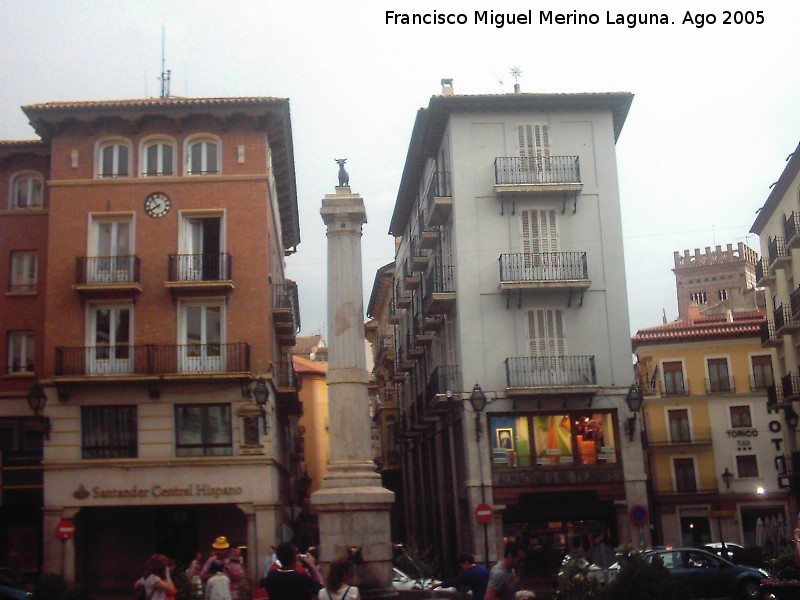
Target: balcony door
x: 539, y: 243
x: 679, y: 427
x: 109, y: 348
x: 534, y: 151
x: 201, y: 247
x: 685, y: 478
x: 201, y: 338
x: 547, y: 347
x: 110, y: 252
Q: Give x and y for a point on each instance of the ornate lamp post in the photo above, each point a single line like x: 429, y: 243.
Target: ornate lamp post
x: 261, y: 396
x: 37, y: 400
x: 478, y: 401
x: 634, y: 400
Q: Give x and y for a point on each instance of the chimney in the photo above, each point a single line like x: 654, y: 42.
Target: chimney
x: 447, y: 87
x: 517, y: 89
x: 693, y: 313
x: 729, y: 316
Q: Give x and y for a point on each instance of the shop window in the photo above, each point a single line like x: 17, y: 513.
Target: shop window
x: 553, y: 440
x: 746, y: 465
x: 27, y: 191
x: 20, y: 352
x: 158, y: 157
x: 109, y: 432
x: 594, y: 438
x: 24, y: 266
x: 113, y: 158
x: 202, y: 156
x: 740, y: 416
x: 203, y: 430
x: 762, y: 371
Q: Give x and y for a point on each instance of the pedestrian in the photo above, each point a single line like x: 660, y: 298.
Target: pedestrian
x: 286, y: 583
x: 234, y: 569
x: 337, y: 584
x: 503, y: 577
x: 218, y: 586
x: 269, y: 560
x: 472, y: 576
x: 219, y: 551
x: 156, y: 581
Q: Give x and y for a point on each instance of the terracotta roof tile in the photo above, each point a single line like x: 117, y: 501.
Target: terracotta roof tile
x: 150, y: 102
x: 743, y: 324
x: 304, y: 365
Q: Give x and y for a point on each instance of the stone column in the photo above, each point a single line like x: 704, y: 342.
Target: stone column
x: 352, y: 505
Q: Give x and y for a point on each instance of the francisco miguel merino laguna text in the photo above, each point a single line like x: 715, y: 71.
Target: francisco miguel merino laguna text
x: 546, y: 17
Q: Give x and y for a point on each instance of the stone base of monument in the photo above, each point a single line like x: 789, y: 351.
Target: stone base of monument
x: 354, y: 522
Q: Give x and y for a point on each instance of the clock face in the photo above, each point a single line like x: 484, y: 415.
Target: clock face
x: 156, y: 205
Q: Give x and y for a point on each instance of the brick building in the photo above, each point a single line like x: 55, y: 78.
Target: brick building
x: 149, y: 239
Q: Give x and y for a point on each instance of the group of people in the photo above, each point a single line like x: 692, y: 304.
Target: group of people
x: 498, y: 584
x: 222, y: 576
x: 290, y: 576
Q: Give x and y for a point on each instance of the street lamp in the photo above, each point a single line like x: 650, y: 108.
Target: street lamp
x: 791, y: 417
x: 634, y: 400
x: 727, y: 477
x: 261, y: 396
x: 478, y: 401
x: 37, y: 400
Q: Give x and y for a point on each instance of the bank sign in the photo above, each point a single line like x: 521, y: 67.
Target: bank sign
x: 134, y: 492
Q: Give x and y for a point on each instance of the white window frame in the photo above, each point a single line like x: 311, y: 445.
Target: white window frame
x: 189, y: 364
x: 23, y: 260
x: 115, y: 269
x: 112, y: 363
x: 27, y: 340
x: 116, y: 143
x: 728, y: 363
x: 204, y: 139
x: 159, y: 141
x: 758, y: 465
x: 752, y: 416
x: 750, y: 356
x: 662, y: 375
x: 32, y: 201
x: 679, y: 407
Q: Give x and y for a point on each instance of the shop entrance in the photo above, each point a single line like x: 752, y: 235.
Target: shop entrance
x: 112, y: 544
x: 551, y: 526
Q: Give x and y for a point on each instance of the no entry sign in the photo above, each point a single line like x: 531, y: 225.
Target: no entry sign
x: 65, y: 529
x: 483, y: 512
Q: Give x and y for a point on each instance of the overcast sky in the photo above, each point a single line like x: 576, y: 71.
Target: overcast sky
x: 715, y: 114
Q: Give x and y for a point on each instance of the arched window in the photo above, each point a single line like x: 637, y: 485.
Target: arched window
x: 113, y: 158
x: 158, y: 156
x: 27, y: 191
x: 203, y: 155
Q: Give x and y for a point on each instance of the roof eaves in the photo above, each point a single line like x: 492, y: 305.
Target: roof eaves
x: 779, y: 189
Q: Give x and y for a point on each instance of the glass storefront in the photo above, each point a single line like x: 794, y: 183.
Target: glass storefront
x: 549, y: 440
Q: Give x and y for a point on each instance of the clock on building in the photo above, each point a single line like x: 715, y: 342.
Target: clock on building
x: 157, y: 204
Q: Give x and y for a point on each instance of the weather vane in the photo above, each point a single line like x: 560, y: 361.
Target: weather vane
x: 516, y: 73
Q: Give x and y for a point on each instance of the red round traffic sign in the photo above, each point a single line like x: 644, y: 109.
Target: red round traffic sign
x: 638, y: 514
x: 483, y: 512
x: 65, y: 529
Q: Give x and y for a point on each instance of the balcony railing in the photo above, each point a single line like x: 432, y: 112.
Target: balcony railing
x: 438, y: 198
x: 153, y: 360
x: 678, y: 436
x: 284, y: 374
x: 768, y: 332
x: 761, y: 382
x: 444, y: 379
x: 704, y: 485
x: 794, y: 301
x: 762, y: 270
x: 556, y: 371
x: 517, y: 170
x: 791, y: 228
x: 106, y: 270
x: 200, y: 267
x: 549, y: 267
x: 675, y: 387
x: 783, y: 317
x: 286, y: 304
x: 790, y: 384
x: 721, y: 385
x: 440, y: 289
x: 776, y: 249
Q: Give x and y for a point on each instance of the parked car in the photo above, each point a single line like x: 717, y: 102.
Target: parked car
x: 11, y: 593
x: 731, y: 552
x: 708, y: 575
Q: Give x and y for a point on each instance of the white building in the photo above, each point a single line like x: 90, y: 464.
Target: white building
x: 510, y: 276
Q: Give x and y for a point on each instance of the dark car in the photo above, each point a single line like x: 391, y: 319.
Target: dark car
x: 708, y: 575
x: 730, y: 552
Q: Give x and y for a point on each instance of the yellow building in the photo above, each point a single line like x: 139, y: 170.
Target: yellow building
x: 716, y: 449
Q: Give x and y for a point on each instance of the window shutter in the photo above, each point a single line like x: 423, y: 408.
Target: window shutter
x: 546, y: 332
x: 539, y: 231
x: 534, y: 144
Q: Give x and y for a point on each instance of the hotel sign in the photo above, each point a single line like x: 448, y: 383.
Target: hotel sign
x: 200, y: 490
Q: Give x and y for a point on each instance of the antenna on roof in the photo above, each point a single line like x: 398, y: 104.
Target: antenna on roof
x: 516, y: 73
x: 165, y: 74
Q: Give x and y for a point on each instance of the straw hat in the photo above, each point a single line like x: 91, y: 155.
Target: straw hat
x: 221, y: 543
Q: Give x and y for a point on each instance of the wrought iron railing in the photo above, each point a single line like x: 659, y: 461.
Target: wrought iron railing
x: 767, y: 331
x: 675, y: 387
x: 678, y: 436
x: 776, y: 248
x: 702, y: 485
x: 284, y: 296
x: 791, y: 226
x: 443, y: 379
x: 721, y: 385
x: 761, y: 381
x: 200, y: 267
x: 284, y: 374
x: 511, y: 170
x: 438, y: 187
x: 106, y: 269
x: 762, y: 269
x: 548, y: 266
x: 794, y: 300
x: 538, y: 371
x: 150, y: 359
x: 782, y: 316
x: 790, y: 384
